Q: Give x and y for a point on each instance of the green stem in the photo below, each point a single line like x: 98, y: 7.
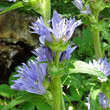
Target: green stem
x: 57, y: 59
x: 96, y: 41
x: 58, y: 102
x: 56, y: 87
x: 56, y: 91
x: 95, y: 32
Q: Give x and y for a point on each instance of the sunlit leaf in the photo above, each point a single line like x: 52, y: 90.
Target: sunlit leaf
x: 13, y: 7
x: 83, y: 67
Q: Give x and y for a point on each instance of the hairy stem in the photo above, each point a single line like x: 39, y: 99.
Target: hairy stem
x: 96, y: 41
x: 58, y: 102
x: 56, y: 91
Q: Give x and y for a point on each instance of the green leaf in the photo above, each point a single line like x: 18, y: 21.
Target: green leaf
x: 76, y: 93
x: 26, y: 106
x: 13, y: 7
x: 105, y: 31
x: 93, y: 98
x: 71, y: 80
x: 85, y: 41
x: 32, y: 98
x: 12, y: 78
x: 83, y: 67
x: 44, y: 106
x: 6, y: 91
x: 40, y: 6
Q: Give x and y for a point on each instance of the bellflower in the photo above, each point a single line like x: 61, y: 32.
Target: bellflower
x: 79, y: 5
x: 12, y: 0
x: 103, y: 100
x: 62, y: 29
x: 103, y: 66
x: 31, y: 78
x: 45, y: 53
x: 66, y: 55
x: 40, y: 28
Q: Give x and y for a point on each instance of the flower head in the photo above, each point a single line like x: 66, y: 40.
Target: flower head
x: 103, y: 100
x: 62, y: 29
x: 45, y: 53
x: 30, y: 78
x: 103, y: 66
x: 79, y: 5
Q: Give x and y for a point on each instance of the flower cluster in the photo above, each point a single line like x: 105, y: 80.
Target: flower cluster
x: 62, y: 29
x: 103, y: 66
x: 31, y: 78
x: 79, y: 5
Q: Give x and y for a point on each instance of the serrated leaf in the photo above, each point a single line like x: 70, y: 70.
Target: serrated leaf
x: 6, y: 91
x: 32, y: 98
x: 13, y: 7
x: 83, y: 67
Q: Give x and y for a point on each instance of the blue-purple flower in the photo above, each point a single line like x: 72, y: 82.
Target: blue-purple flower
x: 45, y: 53
x: 66, y: 55
x: 103, y: 100
x: 103, y: 66
x: 62, y: 29
x: 79, y: 5
x: 12, y: 0
x: 31, y: 78
x: 40, y: 28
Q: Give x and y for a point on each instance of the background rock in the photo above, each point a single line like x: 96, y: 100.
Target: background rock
x: 16, y: 43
